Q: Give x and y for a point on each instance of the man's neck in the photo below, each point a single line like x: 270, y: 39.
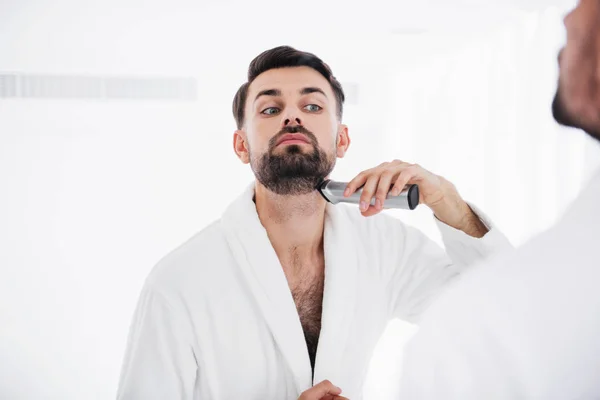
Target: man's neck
x: 294, y: 224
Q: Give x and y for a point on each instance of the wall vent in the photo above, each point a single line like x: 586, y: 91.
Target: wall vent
x: 96, y: 87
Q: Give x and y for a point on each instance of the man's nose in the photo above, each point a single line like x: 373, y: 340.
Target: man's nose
x: 291, y: 121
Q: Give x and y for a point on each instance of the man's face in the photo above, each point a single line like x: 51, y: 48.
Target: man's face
x: 296, y: 104
x: 577, y: 100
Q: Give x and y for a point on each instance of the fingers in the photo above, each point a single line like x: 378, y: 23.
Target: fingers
x: 321, y: 390
x: 406, y: 175
x: 377, y: 182
x: 357, y: 182
x: 370, y: 211
x: 368, y: 191
x: 385, y: 182
x: 326, y: 387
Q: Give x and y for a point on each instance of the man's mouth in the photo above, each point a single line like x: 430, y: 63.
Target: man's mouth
x: 293, y: 138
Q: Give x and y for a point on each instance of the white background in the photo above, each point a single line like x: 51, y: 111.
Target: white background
x: 93, y: 192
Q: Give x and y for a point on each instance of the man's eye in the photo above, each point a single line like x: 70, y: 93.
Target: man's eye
x: 270, y: 111
x: 313, y: 107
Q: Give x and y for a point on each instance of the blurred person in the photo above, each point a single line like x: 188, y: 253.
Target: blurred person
x: 286, y: 290
x: 527, y: 324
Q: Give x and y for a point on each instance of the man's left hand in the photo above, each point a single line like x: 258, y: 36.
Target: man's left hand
x: 436, y: 192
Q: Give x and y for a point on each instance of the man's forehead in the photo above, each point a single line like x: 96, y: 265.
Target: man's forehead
x: 290, y: 79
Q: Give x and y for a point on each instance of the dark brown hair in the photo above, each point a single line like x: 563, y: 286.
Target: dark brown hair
x: 284, y: 57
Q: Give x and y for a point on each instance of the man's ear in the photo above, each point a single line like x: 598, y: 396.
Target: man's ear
x: 343, y: 141
x: 240, y: 146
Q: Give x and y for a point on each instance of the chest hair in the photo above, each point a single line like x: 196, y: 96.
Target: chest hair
x: 307, y: 292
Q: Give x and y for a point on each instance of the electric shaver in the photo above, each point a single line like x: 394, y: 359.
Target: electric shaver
x: 333, y: 192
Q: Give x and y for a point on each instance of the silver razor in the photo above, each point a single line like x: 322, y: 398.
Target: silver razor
x: 333, y: 192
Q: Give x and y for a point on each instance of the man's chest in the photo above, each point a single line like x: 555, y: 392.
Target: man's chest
x: 307, y: 292
x: 306, y: 284
x: 308, y: 298
x: 247, y: 335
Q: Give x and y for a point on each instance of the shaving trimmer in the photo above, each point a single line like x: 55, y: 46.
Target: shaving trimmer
x: 333, y: 192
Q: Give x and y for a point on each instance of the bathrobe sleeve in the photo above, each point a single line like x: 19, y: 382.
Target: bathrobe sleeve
x: 159, y: 360
x: 421, y: 268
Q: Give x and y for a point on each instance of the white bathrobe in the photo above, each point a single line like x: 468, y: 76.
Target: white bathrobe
x: 216, y: 318
x: 525, y: 325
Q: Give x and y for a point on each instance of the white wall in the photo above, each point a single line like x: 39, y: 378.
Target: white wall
x: 94, y: 192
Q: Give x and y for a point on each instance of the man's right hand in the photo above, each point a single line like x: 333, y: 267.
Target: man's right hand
x: 323, y: 391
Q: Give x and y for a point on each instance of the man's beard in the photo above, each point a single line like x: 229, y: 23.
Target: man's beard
x: 565, y: 118
x: 560, y: 113
x: 292, y: 172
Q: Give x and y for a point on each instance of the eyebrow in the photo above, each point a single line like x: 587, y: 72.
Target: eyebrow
x: 277, y: 92
x: 309, y: 90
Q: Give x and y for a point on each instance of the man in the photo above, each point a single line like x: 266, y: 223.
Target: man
x: 527, y: 325
x: 285, y: 290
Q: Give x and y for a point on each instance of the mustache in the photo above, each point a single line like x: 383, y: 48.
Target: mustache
x: 293, y: 129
